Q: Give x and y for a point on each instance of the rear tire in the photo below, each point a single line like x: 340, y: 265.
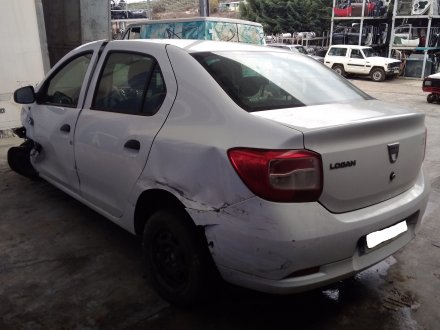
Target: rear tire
x: 177, y: 258
x: 431, y: 98
x: 377, y: 74
x: 339, y: 69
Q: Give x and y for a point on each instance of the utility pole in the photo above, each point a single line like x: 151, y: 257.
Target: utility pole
x: 204, y: 8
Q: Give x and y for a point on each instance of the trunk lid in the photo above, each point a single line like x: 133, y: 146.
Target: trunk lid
x: 371, y: 150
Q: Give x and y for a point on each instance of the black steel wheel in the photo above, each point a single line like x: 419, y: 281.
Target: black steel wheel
x: 176, y: 257
x: 19, y: 160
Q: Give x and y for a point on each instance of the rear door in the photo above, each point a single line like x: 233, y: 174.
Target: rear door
x: 336, y: 55
x: 133, y: 92
x: 51, y: 120
x: 356, y: 61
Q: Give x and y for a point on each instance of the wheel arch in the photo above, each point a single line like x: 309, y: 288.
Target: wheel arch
x: 376, y: 67
x: 151, y: 201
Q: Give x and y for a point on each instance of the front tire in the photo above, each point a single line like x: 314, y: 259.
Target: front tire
x: 431, y: 98
x: 377, y: 74
x: 177, y: 260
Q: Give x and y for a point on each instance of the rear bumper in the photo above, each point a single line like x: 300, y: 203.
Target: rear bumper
x: 259, y: 244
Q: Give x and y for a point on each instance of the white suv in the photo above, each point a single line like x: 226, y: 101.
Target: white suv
x: 360, y: 60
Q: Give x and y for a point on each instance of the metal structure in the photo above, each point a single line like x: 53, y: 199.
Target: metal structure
x: 204, y: 8
x: 404, y: 12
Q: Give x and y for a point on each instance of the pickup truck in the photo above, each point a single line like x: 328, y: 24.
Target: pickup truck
x: 360, y: 60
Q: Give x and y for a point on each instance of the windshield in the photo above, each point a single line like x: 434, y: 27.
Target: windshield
x: 369, y: 52
x: 270, y: 80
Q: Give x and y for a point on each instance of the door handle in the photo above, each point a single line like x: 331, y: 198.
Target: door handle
x: 133, y: 144
x: 65, y: 128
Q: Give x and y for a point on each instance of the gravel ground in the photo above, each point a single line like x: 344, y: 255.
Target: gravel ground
x: 62, y: 266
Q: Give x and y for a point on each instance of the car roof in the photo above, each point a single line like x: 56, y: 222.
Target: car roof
x: 281, y: 44
x: 350, y: 46
x: 195, y: 46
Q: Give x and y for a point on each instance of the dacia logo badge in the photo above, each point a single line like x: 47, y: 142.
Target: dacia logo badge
x: 393, y: 151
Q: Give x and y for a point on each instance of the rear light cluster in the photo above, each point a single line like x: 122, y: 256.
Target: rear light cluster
x: 279, y: 175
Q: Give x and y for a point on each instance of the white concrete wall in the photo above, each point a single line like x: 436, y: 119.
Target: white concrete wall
x: 23, y: 54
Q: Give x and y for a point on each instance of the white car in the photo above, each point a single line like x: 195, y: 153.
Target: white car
x: 291, y: 47
x: 296, y: 48
x: 361, y: 60
x: 258, y: 164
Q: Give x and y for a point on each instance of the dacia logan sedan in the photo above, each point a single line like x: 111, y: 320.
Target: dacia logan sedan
x: 259, y: 165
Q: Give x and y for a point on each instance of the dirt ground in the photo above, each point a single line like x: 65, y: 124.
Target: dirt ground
x: 62, y: 266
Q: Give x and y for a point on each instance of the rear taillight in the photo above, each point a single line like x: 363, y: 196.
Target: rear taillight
x: 279, y: 175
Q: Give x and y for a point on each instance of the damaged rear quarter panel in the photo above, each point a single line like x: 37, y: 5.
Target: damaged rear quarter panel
x: 189, y: 155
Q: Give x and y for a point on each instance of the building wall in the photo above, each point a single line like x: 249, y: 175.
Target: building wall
x: 23, y: 54
x: 70, y: 23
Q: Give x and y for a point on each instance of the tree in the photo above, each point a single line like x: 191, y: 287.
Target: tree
x: 279, y: 16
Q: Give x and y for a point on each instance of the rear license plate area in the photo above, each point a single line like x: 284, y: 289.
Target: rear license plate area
x: 381, y: 237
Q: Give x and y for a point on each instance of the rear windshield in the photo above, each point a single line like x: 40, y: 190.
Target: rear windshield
x: 259, y: 81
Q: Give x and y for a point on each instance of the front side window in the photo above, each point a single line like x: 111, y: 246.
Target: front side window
x: 369, y: 52
x: 270, y: 80
x: 64, y: 87
x: 130, y: 83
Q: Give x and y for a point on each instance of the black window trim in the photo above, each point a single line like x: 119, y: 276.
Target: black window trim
x: 43, y: 89
x: 147, y: 84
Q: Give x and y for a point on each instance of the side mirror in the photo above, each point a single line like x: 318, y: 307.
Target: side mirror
x: 24, y: 95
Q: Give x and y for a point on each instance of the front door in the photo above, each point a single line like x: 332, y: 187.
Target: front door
x: 52, y: 118
x: 132, y: 97
x: 356, y: 62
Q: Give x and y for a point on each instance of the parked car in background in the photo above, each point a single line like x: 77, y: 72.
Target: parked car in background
x: 361, y: 60
x: 431, y: 84
x: 120, y: 11
x: 291, y: 47
x: 296, y: 48
x: 248, y: 161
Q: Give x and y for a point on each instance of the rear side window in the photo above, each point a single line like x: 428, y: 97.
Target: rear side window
x: 335, y: 51
x: 130, y: 83
x: 259, y: 81
x: 356, y: 53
